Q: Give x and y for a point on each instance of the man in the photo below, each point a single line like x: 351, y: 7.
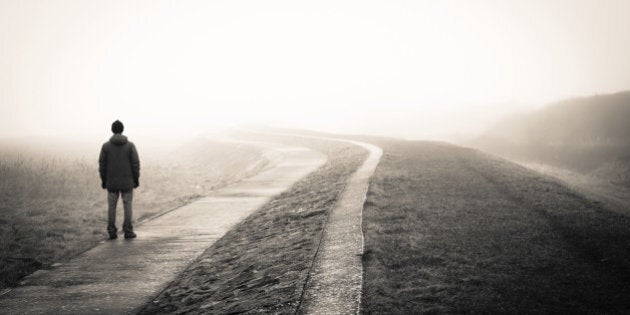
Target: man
x: 119, y: 167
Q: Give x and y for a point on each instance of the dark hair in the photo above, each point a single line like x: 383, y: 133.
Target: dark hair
x: 117, y: 127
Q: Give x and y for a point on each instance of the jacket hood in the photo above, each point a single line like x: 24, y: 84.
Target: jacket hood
x: 118, y: 139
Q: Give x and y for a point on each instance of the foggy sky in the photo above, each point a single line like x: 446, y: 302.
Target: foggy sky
x: 403, y: 68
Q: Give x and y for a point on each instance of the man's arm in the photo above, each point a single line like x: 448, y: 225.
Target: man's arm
x: 135, y: 166
x: 102, y: 167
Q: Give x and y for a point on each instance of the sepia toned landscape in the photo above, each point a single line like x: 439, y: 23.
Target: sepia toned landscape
x: 53, y: 207
x: 329, y: 157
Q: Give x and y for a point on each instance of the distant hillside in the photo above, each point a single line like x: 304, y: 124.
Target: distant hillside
x: 595, y: 120
x: 589, y: 134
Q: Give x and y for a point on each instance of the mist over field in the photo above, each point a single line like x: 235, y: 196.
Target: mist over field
x: 418, y: 70
x: 495, y: 134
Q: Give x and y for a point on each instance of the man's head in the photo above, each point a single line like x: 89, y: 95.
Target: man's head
x: 117, y: 127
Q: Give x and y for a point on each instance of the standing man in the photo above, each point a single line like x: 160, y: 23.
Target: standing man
x: 119, y: 167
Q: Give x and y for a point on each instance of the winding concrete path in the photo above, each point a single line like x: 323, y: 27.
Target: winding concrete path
x: 334, y: 284
x: 121, y: 276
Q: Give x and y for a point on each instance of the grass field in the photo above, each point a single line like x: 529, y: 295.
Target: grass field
x: 53, y: 207
x: 262, y: 264
x: 452, y: 230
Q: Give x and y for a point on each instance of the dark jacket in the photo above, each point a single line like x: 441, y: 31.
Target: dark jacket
x: 119, y: 164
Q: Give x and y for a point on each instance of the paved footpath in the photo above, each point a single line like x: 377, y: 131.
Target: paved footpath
x: 121, y: 276
x: 334, y: 285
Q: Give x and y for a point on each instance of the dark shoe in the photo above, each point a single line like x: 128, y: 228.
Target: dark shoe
x: 130, y: 234
x: 113, y: 236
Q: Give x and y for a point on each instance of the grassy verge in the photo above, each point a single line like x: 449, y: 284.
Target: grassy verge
x: 261, y: 265
x: 451, y: 230
x: 53, y: 209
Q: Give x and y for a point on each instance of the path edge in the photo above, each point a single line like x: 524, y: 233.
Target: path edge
x: 373, y: 151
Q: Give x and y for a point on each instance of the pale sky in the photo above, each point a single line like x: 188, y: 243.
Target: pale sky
x: 413, y: 69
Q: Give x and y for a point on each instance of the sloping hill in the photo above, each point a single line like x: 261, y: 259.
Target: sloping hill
x: 595, y: 120
x: 454, y: 230
x: 589, y: 135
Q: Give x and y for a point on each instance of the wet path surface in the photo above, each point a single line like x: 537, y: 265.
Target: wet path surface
x: 121, y: 276
x: 334, y: 285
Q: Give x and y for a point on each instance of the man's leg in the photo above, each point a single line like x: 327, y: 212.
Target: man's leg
x: 127, y: 197
x: 112, y: 200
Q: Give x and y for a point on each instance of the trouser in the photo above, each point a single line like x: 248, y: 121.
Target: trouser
x: 112, y: 201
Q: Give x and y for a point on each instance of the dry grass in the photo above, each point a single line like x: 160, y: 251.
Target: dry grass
x: 53, y: 209
x: 451, y: 230
x: 261, y: 265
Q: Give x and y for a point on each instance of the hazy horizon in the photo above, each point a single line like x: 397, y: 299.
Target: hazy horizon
x: 407, y: 69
